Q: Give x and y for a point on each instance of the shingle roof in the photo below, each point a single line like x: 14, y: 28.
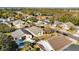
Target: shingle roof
x: 19, y: 33
x: 18, y: 22
x: 72, y: 47
x: 69, y: 24
x: 34, y: 30
x: 60, y: 42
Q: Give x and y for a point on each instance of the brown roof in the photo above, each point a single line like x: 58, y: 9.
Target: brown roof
x: 59, y: 42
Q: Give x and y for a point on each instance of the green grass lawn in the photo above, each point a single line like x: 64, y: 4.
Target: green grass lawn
x: 8, y: 33
x: 58, y: 27
x: 72, y: 31
x: 77, y: 43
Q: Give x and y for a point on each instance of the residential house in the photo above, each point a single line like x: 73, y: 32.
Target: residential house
x: 29, y: 16
x: 76, y: 35
x: 21, y: 36
x: 47, y: 21
x: 2, y: 20
x: 18, y: 23
x: 18, y: 34
x: 44, y: 45
x: 11, y: 19
x: 70, y: 25
x: 43, y: 17
x: 56, y: 43
x: 40, y: 17
x: 40, y: 23
x: 63, y: 26
x: 72, y: 47
x: 77, y: 27
x: 56, y: 23
x: 5, y: 21
x: 35, y: 31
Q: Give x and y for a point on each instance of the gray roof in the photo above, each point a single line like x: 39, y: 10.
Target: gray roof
x: 47, y: 21
x: 19, y: 33
x: 72, y: 47
x: 57, y: 22
x: 70, y: 24
x: 34, y: 30
x: 1, y: 19
x: 18, y: 22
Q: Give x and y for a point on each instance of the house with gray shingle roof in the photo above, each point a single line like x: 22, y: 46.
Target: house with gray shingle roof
x: 39, y: 23
x: 21, y: 33
x: 35, y: 31
x: 18, y: 23
x: 72, y: 47
x: 22, y: 36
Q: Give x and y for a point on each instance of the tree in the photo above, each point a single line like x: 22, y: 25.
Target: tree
x: 47, y: 29
x: 19, y: 16
x: 32, y: 19
x: 52, y: 20
x: 7, y: 43
x: 12, y: 46
x: 6, y: 29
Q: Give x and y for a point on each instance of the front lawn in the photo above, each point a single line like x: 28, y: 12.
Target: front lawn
x: 8, y: 34
x: 72, y: 31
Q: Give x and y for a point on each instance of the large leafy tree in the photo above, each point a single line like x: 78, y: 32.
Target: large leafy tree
x: 7, y: 43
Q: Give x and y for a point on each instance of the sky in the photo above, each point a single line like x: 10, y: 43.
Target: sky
x: 39, y: 3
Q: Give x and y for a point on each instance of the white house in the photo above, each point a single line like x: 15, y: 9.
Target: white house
x: 18, y: 34
x: 64, y: 26
x: 18, y: 23
x: 46, y: 45
x: 47, y: 21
